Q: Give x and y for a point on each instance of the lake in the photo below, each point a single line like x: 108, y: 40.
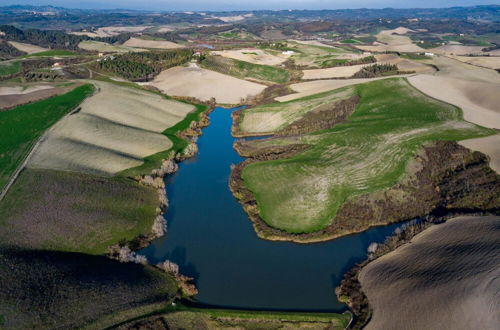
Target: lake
x: 211, y: 239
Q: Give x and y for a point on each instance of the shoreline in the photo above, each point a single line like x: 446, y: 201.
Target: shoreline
x: 169, y: 165
x: 127, y: 252
x: 436, y: 172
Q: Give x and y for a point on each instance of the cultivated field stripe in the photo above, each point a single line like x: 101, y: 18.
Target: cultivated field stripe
x: 115, y: 130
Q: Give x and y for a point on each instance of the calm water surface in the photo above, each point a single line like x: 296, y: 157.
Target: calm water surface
x: 210, y: 237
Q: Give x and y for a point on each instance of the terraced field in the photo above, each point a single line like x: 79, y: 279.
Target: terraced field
x: 15, y: 95
x: 115, y: 130
x: 50, y: 289
x: 52, y: 52
x: 367, y: 153
x: 335, y: 72
x: 491, y: 62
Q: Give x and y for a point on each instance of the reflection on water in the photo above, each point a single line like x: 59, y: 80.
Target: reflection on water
x: 211, y: 239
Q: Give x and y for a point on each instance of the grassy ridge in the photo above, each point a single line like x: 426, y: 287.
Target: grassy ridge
x: 10, y: 68
x: 367, y: 153
x: 22, y: 126
x: 242, y: 69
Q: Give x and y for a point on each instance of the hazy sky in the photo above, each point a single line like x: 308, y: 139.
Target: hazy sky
x: 248, y: 4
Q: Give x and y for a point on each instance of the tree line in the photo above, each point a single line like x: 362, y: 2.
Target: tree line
x: 43, y: 38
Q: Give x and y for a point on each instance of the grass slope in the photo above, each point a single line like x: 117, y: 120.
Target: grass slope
x: 367, y: 153
x: 242, y: 69
x: 23, y: 125
x: 49, y: 289
x: 65, y: 211
x: 10, y: 68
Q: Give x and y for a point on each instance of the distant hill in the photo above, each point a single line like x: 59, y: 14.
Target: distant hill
x: 45, y: 17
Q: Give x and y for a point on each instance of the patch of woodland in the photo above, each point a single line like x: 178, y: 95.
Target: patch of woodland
x: 379, y: 70
x: 143, y: 66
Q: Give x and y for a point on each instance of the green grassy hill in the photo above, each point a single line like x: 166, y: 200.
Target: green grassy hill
x: 73, y: 212
x: 49, y: 290
x: 367, y: 153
